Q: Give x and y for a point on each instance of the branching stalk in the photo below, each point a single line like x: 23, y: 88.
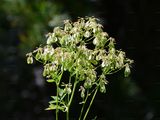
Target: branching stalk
x: 90, y: 104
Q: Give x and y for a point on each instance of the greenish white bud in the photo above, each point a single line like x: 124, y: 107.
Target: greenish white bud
x: 49, y: 40
x: 127, y: 71
x: 82, y: 91
x: 87, y: 84
x: 95, y: 41
x: 103, y: 88
x: 90, y: 57
x: 30, y: 60
x: 87, y: 34
x: 68, y: 90
x: 103, y: 64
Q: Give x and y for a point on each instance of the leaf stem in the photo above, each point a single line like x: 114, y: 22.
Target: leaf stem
x: 90, y: 104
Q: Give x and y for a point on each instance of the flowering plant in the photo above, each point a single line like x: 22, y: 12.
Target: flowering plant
x: 87, y: 54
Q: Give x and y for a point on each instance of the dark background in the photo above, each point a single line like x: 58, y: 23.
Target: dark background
x: 133, y: 23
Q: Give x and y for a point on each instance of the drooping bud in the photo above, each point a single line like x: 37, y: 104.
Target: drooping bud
x: 127, y: 71
x: 30, y: 60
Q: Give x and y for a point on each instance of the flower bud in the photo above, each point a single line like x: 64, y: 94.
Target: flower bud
x: 82, y: 91
x: 49, y: 40
x: 127, y: 71
x: 68, y: 90
x: 87, y: 34
x: 88, y: 84
x: 95, y: 41
x: 30, y: 60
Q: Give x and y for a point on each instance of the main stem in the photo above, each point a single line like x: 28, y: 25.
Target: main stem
x: 67, y: 115
x: 57, y: 84
x: 57, y: 102
x: 70, y: 101
x: 90, y: 104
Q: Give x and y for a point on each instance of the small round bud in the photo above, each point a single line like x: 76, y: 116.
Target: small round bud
x: 30, y: 60
x: 87, y: 34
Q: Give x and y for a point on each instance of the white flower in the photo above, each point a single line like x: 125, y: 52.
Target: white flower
x: 90, y: 57
x: 94, y: 30
x: 121, y: 58
x: 46, y: 50
x: 104, y: 34
x: 118, y: 65
x: 110, y: 56
x: 103, y: 64
x: 52, y: 68
x: 95, y: 41
x: 49, y: 50
x: 87, y: 34
x: 87, y: 24
x: 83, y: 47
x: 49, y: 40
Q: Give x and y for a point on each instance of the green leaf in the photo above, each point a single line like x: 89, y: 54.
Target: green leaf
x: 50, y: 80
x: 55, y: 97
x: 51, y: 107
x: 54, y: 106
x: 52, y: 101
x: 95, y: 62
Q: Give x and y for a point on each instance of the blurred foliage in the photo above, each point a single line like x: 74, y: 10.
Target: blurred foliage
x: 32, y: 19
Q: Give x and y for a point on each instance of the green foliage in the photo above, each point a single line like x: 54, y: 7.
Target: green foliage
x: 67, y: 49
x: 33, y: 19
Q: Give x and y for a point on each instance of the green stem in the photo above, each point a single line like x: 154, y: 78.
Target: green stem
x: 73, y: 91
x: 90, y: 104
x: 69, y: 84
x: 57, y: 84
x: 83, y: 106
x: 70, y: 101
x: 67, y: 115
x: 57, y: 103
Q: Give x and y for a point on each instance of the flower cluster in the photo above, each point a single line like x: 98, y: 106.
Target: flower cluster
x: 67, y: 49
